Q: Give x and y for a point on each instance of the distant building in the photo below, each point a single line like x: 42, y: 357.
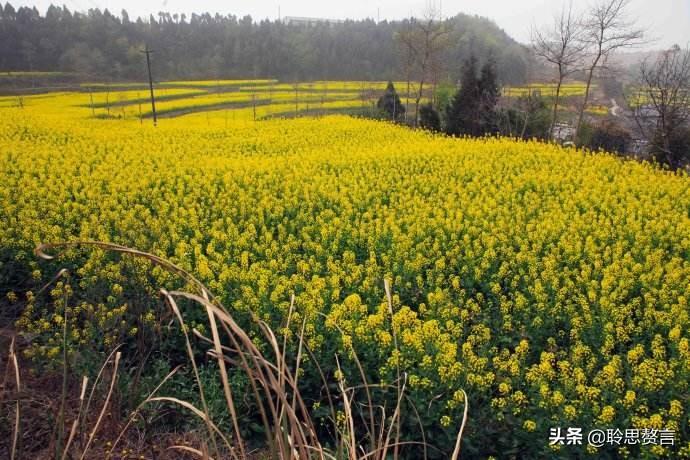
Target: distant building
x: 297, y: 20
x: 563, y: 132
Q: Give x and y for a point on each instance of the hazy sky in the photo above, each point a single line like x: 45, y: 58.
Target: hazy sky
x: 667, y: 20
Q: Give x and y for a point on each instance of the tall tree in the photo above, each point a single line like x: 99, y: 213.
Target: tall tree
x: 405, y: 43
x: 489, y: 93
x: 606, y: 30
x: 662, y: 106
x: 462, y: 115
x: 429, y: 118
x: 473, y: 109
x: 562, y: 46
x: 390, y: 103
x: 424, y: 42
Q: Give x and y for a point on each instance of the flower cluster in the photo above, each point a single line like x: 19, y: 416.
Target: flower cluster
x: 550, y: 285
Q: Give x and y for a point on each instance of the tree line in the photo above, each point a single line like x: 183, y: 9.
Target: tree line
x: 657, y: 115
x: 658, y: 97
x: 655, y: 123
x: 472, y: 109
x: 106, y: 45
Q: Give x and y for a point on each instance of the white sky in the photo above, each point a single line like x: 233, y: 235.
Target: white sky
x: 667, y: 20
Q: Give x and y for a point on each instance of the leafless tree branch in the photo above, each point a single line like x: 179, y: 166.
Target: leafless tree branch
x: 606, y: 29
x: 661, y: 106
x: 562, y: 45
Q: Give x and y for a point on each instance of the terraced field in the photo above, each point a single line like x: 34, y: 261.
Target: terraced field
x: 265, y: 98
x: 546, y: 90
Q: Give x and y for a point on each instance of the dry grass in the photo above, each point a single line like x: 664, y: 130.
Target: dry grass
x: 290, y: 430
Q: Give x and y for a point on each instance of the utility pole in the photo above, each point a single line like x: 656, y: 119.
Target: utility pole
x: 148, y: 52
x: 93, y: 111
x: 141, y: 119
x: 107, y: 99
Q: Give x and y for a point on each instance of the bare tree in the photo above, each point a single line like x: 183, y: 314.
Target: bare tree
x: 606, y: 29
x: 529, y: 107
x: 423, y: 42
x: 562, y: 46
x: 661, y: 108
x: 405, y: 39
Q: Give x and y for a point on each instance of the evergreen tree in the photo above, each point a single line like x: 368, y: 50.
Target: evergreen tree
x: 429, y: 118
x: 489, y: 93
x: 390, y: 103
x: 462, y: 115
x: 472, y: 111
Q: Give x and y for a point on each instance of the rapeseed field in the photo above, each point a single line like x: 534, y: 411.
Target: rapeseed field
x: 550, y: 284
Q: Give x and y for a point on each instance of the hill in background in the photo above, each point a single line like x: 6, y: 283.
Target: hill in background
x: 102, y: 45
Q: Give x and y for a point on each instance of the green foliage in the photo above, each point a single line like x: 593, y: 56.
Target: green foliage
x: 100, y: 43
x: 183, y: 385
x: 528, y: 118
x: 472, y: 35
x: 608, y: 136
x: 429, y: 118
x: 443, y: 95
x: 489, y: 92
x: 473, y: 109
x: 462, y: 115
x: 390, y: 104
x: 674, y: 150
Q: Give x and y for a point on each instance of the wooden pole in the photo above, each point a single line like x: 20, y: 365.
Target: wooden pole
x: 148, y: 52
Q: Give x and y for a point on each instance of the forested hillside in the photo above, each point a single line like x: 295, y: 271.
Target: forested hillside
x: 104, y: 45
